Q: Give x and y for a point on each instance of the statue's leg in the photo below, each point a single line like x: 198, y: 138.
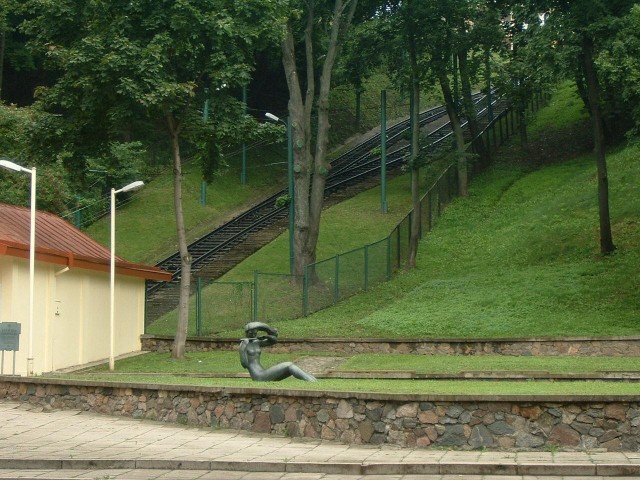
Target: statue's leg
x: 274, y: 374
x: 281, y: 371
x: 297, y: 372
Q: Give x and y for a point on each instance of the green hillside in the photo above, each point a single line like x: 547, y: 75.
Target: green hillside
x: 146, y: 231
x: 519, y: 256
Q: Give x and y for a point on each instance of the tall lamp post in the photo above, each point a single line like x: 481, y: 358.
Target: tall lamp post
x: 9, y: 165
x: 292, y: 211
x: 112, y: 276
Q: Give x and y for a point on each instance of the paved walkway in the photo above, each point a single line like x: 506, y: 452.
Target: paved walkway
x: 73, y: 444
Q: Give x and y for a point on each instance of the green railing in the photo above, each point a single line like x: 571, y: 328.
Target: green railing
x: 215, y: 306
x: 331, y: 280
x: 229, y: 305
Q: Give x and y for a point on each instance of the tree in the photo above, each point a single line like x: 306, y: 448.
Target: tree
x: 619, y: 67
x: 416, y: 57
x: 587, y: 27
x: 441, y: 45
x: 149, y: 61
x: 527, y: 65
x: 478, y: 33
x: 413, y: 37
x: 323, y: 26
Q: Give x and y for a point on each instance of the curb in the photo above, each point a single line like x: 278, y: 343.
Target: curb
x: 346, y: 468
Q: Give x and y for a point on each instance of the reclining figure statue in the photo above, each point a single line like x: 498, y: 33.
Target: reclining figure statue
x: 250, y: 349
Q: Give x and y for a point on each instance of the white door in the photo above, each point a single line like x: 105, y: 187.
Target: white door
x: 67, y: 328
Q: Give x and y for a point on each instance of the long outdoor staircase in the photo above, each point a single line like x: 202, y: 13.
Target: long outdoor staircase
x: 353, y: 172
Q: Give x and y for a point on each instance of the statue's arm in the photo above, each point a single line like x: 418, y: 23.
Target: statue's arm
x: 261, y: 327
x: 267, y: 340
x: 244, y: 360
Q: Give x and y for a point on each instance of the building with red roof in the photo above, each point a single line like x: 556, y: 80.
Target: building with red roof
x: 71, y: 322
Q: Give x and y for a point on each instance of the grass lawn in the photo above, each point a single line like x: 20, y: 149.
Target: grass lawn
x: 452, y: 364
x: 519, y: 257
x: 202, y: 363
x: 526, y: 388
x: 160, y: 368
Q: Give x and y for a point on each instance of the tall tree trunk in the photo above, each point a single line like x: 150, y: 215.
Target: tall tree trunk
x: 463, y: 178
x: 606, y: 238
x: 414, y: 235
x: 311, y: 169
x: 414, y: 162
x: 180, y: 340
x: 469, y: 107
x: 2, y: 48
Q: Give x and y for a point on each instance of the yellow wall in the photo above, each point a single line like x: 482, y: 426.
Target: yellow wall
x: 71, y: 314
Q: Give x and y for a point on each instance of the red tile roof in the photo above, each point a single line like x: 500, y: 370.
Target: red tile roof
x: 57, y: 241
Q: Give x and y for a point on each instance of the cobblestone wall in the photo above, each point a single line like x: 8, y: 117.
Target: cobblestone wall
x: 569, y: 423
x: 612, y: 347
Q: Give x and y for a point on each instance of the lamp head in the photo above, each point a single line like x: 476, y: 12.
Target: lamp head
x: 271, y: 116
x: 128, y: 188
x: 9, y: 165
x: 133, y: 186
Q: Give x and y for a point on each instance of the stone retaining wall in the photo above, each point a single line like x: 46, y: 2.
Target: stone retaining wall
x: 610, y: 347
x: 464, y: 422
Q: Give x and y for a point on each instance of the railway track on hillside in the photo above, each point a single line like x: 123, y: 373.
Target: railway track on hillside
x: 356, y: 170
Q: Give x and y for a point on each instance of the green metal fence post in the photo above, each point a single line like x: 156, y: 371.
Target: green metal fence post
x: 77, y: 215
x: 199, y: 307
x: 251, y: 301
x: 205, y: 118
x: 383, y: 152
x: 243, y: 170
x: 487, y: 62
x: 255, y: 295
x: 305, y: 291
x: 493, y: 134
x: 388, y: 257
x: 508, y: 120
x: 291, y: 192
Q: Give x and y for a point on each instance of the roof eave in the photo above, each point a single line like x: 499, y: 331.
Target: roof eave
x: 70, y: 260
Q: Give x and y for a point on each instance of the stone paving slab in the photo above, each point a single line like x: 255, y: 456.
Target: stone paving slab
x: 33, y: 440
x: 155, y: 474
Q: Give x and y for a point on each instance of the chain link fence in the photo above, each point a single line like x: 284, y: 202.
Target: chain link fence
x: 220, y: 306
x: 215, y: 306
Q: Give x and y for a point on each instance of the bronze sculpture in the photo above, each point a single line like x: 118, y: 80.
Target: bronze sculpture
x: 250, y: 350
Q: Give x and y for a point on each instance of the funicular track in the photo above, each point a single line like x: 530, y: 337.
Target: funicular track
x: 356, y: 170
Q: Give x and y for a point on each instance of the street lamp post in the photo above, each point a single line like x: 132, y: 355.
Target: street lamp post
x: 9, y: 165
x: 384, y: 207
x: 292, y: 211
x: 112, y: 276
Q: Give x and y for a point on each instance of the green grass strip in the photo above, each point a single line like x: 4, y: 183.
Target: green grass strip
x: 418, y: 387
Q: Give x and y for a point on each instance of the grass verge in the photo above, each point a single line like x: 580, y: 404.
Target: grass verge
x: 202, y: 363
x: 525, y: 388
x: 519, y: 257
x: 160, y: 368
